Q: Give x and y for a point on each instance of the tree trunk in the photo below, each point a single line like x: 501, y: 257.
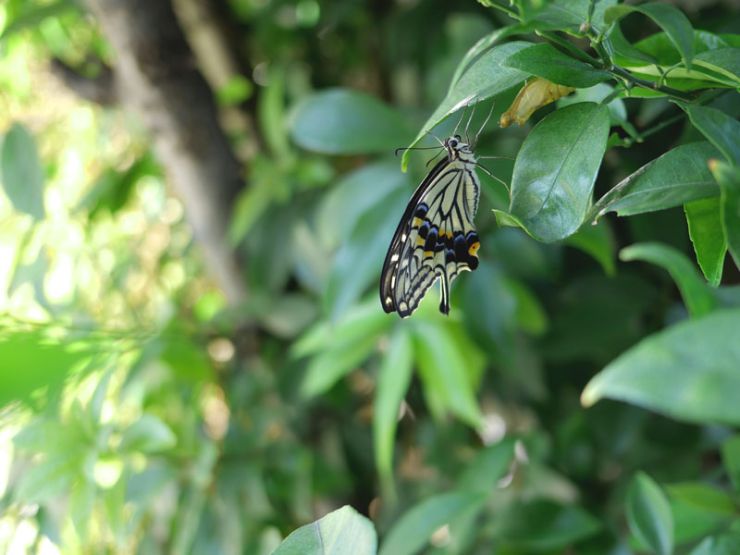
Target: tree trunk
x: 157, y: 79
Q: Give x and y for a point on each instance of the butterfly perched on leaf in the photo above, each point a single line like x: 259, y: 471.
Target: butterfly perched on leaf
x: 436, y: 237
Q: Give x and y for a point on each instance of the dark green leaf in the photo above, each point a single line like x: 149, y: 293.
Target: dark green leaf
x: 555, y: 171
x: 707, y: 236
x: 720, y: 129
x: 486, y: 77
x: 414, y: 528
x: 22, y: 174
x: 479, y: 48
x: 598, y: 242
x: 341, y: 531
x: 728, y: 178
x: 698, y: 509
x: 597, y: 93
x: 688, y: 371
x: 697, y: 296
x: 546, y: 61
x: 649, y: 514
x: 342, y: 121
x: 544, y: 526
x: 669, y: 18
x: 675, y: 178
x: 487, y: 468
x: 731, y: 459
x: 394, y: 377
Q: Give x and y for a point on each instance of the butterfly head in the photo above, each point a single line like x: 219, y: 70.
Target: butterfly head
x: 457, y: 148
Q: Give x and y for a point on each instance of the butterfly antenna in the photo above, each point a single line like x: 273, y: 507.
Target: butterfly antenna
x: 436, y: 138
x: 405, y: 148
x: 462, y: 117
x: 434, y: 158
x: 489, y: 174
x: 467, y: 125
x: 488, y: 118
x: 494, y: 158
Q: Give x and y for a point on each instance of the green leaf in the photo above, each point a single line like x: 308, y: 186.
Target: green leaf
x: 359, y: 259
x: 675, y: 178
x: 31, y: 361
x: 731, y: 460
x: 341, y: 346
x: 669, y: 18
x: 688, y: 371
x: 724, y: 544
x: 34, y: 14
x: 479, y: 48
x: 394, y: 377
x: 598, y: 242
x: 569, y: 14
x: 720, y: 129
x: 340, y: 532
x: 22, y: 174
x: 697, y: 296
x: 725, y: 61
x: 649, y: 514
x: 486, y: 77
x: 728, y: 178
x: 341, y: 121
x: 707, y: 236
x: 544, y: 526
x: 445, y: 371
x: 149, y: 434
x: 546, y: 61
x: 597, y: 93
x: 354, y: 195
x: 52, y: 477
x: 555, y: 171
x: 698, y: 509
x: 487, y: 468
x: 415, y: 527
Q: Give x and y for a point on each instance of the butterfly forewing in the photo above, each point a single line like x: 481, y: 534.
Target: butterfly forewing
x: 436, y: 237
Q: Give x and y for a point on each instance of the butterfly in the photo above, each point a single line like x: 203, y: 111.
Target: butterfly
x: 436, y: 237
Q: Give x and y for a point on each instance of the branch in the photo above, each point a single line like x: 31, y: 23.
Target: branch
x: 100, y: 89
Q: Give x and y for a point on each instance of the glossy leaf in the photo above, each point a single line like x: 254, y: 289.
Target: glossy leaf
x: 707, y: 236
x: 341, y: 531
x: 486, y: 77
x: 341, y: 121
x: 669, y: 18
x: 697, y: 296
x: 728, y: 178
x: 555, y: 171
x: 569, y: 14
x: 394, y: 377
x: 546, y: 61
x: 719, y: 128
x: 22, y: 173
x: 688, y: 371
x: 649, y: 514
x: 675, y: 178
x: 413, y: 530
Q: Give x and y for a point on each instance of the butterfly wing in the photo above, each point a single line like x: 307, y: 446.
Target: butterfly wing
x: 436, y: 238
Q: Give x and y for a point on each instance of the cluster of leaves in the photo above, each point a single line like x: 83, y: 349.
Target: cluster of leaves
x: 467, y: 433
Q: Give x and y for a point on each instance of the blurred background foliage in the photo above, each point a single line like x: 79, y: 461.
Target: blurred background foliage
x: 144, y: 411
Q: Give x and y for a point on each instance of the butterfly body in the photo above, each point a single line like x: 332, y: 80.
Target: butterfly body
x: 436, y: 237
